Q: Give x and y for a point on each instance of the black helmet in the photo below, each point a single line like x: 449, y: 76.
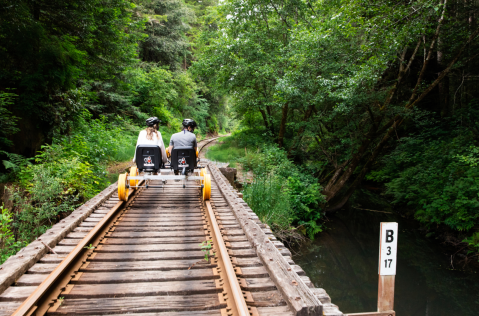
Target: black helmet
x: 152, y: 121
x: 189, y: 123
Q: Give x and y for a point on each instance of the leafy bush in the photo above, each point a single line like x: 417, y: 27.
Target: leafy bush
x: 67, y: 172
x: 269, y: 198
x: 426, y: 175
x: 46, y: 196
x: 8, y: 245
x: 281, y: 177
x: 434, y: 173
x: 7, y: 120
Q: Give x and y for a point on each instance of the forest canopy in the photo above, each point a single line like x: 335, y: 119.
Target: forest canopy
x: 357, y: 92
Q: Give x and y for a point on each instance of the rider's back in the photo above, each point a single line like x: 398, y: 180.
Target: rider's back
x: 183, y: 139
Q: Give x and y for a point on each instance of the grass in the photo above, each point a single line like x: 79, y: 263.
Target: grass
x: 227, y: 150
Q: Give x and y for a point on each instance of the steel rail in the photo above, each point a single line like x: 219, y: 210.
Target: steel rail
x: 29, y: 306
x: 209, y: 141
x: 239, y: 308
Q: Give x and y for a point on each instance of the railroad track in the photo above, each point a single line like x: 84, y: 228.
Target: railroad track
x: 150, y: 255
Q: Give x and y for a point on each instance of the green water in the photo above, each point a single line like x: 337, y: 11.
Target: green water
x: 344, y: 261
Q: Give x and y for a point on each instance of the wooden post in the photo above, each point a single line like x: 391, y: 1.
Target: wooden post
x: 387, y: 266
x: 386, y: 293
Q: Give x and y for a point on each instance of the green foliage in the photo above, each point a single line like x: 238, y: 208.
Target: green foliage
x: 434, y: 174
x: 213, y: 126
x: 7, y: 120
x: 67, y: 172
x: 226, y: 151
x: 473, y: 242
x: 7, y: 240
x: 46, y: 196
x: 166, y: 28
x: 47, y: 46
x: 282, y: 194
x: 269, y: 198
x: 206, y: 247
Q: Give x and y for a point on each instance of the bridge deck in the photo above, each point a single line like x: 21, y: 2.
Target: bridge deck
x: 150, y: 261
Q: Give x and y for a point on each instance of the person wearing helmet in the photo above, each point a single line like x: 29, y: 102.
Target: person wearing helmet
x: 185, y: 138
x: 151, y: 136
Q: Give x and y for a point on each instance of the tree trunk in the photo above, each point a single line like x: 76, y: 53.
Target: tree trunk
x: 299, y: 136
x: 270, y: 119
x: 282, y: 127
x: 443, y: 85
x: 265, y: 119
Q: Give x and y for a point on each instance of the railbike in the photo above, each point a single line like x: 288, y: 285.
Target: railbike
x: 183, y: 161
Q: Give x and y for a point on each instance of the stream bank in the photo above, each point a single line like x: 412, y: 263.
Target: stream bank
x: 343, y: 259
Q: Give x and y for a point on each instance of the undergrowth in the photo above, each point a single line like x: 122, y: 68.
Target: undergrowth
x: 63, y: 175
x: 283, y: 195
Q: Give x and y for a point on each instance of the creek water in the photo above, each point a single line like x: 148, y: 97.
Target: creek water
x: 343, y: 260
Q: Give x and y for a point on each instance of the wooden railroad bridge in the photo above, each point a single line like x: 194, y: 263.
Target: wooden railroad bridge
x: 143, y: 257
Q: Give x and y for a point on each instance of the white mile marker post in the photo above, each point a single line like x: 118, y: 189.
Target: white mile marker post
x: 388, y: 240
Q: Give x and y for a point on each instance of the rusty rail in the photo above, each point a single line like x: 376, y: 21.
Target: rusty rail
x: 239, y: 307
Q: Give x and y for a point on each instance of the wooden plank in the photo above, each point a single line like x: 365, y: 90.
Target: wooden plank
x: 155, y: 216
x: 143, y: 289
x: 161, y: 265
x: 126, y: 277
x: 17, y: 293
x: 267, y: 299
x: 145, y: 256
x: 248, y: 253
x: 275, y: 311
x: 212, y: 312
x: 77, y: 235
x: 69, y: 242
x: 148, y: 248
x: 150, y: 241
x: 93, y: 219
x: 208, y: 303
x: 234, y: 232
x: 31, y: 279
x: 7, y: 308
x: 156, y: 234
x: 52, y: 258
x: 146, y: 276
x: 258, y: 284
x: 166, y: 225
x: 254, y: 262
x: 385, y: 313
x: 42, y: 268
x: 169, y: 230
x: 167, y: 218
x: 82, y: 229
x: 164, y: 218
x: 260, y: 272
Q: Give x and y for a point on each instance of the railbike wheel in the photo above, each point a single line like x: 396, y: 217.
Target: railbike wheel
x: 207, y: 187
x: 122, y: 189
x: 133, y: 173
x: 202, y: 173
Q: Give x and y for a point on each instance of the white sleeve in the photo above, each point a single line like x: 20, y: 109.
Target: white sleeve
x: 162, y: 148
